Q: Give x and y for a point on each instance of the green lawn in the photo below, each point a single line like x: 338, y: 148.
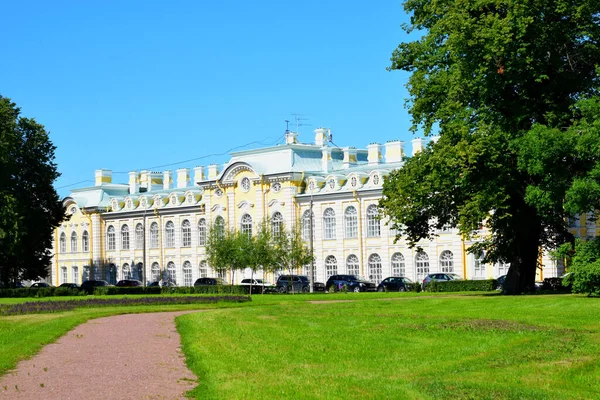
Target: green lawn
x: 411, y: 347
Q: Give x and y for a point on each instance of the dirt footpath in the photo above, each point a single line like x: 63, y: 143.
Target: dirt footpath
x: 134, y: 356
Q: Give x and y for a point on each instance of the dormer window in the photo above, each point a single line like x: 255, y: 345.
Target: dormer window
x: 376, y: 179
x: 331, y: 183
x: 353, y: 182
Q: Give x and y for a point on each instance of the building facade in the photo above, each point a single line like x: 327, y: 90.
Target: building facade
x: 155, y: 226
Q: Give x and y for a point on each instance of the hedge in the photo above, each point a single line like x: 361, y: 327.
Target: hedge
x: 462, y: 286
x: 40, y: 292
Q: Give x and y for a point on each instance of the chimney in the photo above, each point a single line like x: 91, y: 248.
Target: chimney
x: 183, y: 178
x: 393, y: 151
x: 213, y: 171
x: 291, y: 137
x: 349, y: 157
x: 133, y: 182
x: 435, y: 138
x: 417, y: 146
x: 321, y: 137
x: 198, y: 175
x: 326, y: 158
x: 374, y: 157
x: 154, y: 181
x: 103, y: 177
x: 167, y: 180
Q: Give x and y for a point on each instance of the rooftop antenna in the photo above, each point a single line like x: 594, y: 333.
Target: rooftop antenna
x: 287, y: 125
x: 298, y: 119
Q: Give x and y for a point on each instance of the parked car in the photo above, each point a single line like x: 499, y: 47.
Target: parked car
x: 500, y: 280
x: 293, y: 283
x: 318, y: 287
x: 39, y: 285
x: 352, y: 283
x: 394, y: 284
x: 69, y: 285
x: 209, y: 281
x: 439, y: 277
x: 129, y: 283
x: 259, y: 285
x: 90, y: 285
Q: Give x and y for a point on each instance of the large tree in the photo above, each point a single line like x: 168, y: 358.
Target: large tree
x: 30, y: 208
x: 503, y: 83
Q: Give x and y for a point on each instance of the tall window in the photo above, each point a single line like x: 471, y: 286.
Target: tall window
x: 329, y: 224
x: 139, y: 236
x: 187, y: 274
x: 422, y: 265
x: 155, y: 271
x: 373, y: 225
x: 111, y: 274
x: 202, y: 232
x: 330, y: 266
x: 479, y: 267
x: 246, y: 225
x: 63, y: 275
x: 447, y: 261
x: 171, y: 272
x: 153, y: 235
x: 73, y: 242
x: 503, y: 268
x: 85, y: 241
x: 63, y: 243
x: 220, y: 226
x: 352, y: 265
x: 111, y: 243
x: 203, y: 271
x: 398, y: 267
x: 306, y: 219
x: 375, y: 270
x: 124, y: 237
x: 351, y: 222
x: 126, y: 271
x: 138, y: 271
x: 170, y: 234
x: 186, y: 233
x: 276, y: 224
x: 75, y: 274
x: 86, y: 273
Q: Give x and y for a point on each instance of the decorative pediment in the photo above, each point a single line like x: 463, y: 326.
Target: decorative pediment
x: 192, y: 197
x: 234, y: 169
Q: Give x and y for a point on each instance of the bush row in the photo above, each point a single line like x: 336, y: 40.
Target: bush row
x: 463, y: 286
x: 114, y: 290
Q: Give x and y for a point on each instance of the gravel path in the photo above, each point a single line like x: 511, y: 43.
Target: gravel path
x: 133, y: 356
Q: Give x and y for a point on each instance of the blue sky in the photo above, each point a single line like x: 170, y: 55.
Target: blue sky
x: 131, y: 85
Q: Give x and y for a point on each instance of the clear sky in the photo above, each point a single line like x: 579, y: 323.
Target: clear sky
x: 132, y: 85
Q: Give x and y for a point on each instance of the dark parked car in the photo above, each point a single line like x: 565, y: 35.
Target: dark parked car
x: 69, y: 285
x: 259, y: 285
x: 352, y: 283
x: 90, y: 285
x: 39, y: 285
x: 129, y: 283
x: 163, y: 283
x: 439, y: 277
x: 500, y: 280
x: 318, y: 287
x: 293, y: 283
x: 209, y: 281
x: 394, y: 284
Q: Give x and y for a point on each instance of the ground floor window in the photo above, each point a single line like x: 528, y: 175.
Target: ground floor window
x: 155, y: 271
x: 75, y: 274
x: 352, y: 265
x: 398, y: 267
x: 375, y: 270
x: 187, y: 274
x: 63, y: 275
x: 422, y: 265
x: 330, y: 266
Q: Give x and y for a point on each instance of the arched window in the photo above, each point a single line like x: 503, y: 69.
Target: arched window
x: 447, y: 261
x: 220, y: 226
x: 111, y: 274
x: 139, y: 236
x: 375, y: 270
x: 170, y: 234
x: 63, y: 243
x: 124, y: 237
x: 85, y: 241
x: 398, y: 267
x: 246, y: 224
x: 126, y: 271
x: 306, y: 220
x: 186, y: 233
x: 155, y: 272
x: 187, y: 274
x: 351, y: 222
x: 203, y: 271
x: 171, y: 272
x: 330, y: 266
x: 202, y: 232
x: 75, y: 274
x: 329, y: 224
x: 138, y: 271
x: 422, y: 265
x: 373, y: 223
x: 73, y: 242
x: 86, y: 273
x: 352, y: 265
x: 276, y: 224
x: 111, y: 243
x: 153, y: 235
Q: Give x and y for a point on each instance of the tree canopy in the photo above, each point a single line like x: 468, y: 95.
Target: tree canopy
x: 511, y: 88
x: 30, y: 208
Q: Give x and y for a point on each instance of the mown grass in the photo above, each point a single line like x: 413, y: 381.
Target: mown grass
x: 408, y: 347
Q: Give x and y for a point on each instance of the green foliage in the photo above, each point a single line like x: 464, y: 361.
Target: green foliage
x: 513, y: 92
x: 413, y: 287
x: 39, y: 292
x: 29, y: 205
x: 462, y: 286
x: 584, y: 271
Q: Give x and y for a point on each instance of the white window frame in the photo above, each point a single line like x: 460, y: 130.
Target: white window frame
x: 73, y: 242
x: 330, y: 266
x: 329, y: 224
x: 398, y: 264
x: 154, y: 235
x: 75, y: 274
x: 202, y: 232
x: 276, y: 224
x: 187, y: 273
x: 351, y: 222
x: 155, y: 271
x: 85, y: 241
x: 186, y: 234
x: 203, y: 269
x: 63, y: 243
x: 172, y: 271
x: 375, y: 268
x: 421, y: 265
x: 126, y: 271
x: 111, y: 240
x: 373, y: 221
x: 246, y: 224
x: 447, y: 261
x: 139, y: 236
x: 352, y: 265
x: 306, y: 220
x: 125, y: 237
x: 170, y: 234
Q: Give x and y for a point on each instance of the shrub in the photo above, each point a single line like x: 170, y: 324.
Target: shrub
x: 463, y: 286
x: 585, y: 268
x: 555, y: 285
x: 413, y: 287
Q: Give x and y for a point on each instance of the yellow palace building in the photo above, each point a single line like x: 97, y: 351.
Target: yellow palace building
x: 155, y: 226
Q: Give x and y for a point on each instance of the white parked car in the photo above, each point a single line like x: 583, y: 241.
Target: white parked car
x: 259, y: 285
